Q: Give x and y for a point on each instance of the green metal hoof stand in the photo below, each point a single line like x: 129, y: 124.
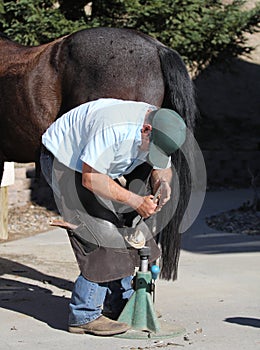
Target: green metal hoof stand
x: 139, y: 312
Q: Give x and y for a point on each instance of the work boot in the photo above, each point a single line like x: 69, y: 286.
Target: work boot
x: 100, y: 326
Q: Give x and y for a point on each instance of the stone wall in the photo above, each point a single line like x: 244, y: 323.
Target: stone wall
x: 231, y: 168
x: 27, y: 187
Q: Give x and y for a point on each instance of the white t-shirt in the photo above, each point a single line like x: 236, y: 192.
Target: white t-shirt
x: 105, y: 134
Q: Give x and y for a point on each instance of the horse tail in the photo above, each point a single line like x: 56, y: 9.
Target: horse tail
x: 1, y: 170
x: 179, y: 88
x: 179, y: 96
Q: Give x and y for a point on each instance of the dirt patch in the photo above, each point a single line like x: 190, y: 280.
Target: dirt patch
x: 29, y: 220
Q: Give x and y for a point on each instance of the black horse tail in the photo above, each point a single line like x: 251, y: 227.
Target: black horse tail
x: 179, y: 96
x: 1, y: 170
x: 179, y: 89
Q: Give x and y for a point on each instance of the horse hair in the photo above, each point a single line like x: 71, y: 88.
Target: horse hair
x: 179, y: 96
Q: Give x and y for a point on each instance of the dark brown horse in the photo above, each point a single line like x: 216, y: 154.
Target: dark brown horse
x: 39, y: 84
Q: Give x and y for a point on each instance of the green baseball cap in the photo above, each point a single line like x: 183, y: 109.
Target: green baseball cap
x: 168, y: 134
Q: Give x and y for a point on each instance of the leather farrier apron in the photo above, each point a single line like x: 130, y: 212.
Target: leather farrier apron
x: 98, y: 239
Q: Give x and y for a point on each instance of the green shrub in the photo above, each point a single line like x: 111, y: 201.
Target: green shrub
x: 202, y: 31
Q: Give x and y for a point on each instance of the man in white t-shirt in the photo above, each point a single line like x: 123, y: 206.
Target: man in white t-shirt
x: 86, y: 153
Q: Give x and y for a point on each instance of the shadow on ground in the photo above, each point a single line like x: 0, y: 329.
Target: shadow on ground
x: 30, y: 299
x: 34, y: 301
x: 244, y: 321
x: 10, y: 267
x: 214, y: 242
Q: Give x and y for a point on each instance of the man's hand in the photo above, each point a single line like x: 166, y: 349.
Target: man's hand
x: 162, y: 179
x: 147, y: 208
x: 164, y: 195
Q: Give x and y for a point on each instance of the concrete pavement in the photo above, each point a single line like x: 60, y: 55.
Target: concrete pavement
x: 216, y: 297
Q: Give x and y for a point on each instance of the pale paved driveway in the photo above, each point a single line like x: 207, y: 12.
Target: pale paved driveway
x: 216, y: 297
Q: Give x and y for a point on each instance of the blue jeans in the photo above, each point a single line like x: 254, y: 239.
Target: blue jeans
x: 46, y: 161
x: 88, y: 298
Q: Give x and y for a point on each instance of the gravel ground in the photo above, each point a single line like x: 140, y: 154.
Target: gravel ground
x: 29, y: 220
x: 241, y: 220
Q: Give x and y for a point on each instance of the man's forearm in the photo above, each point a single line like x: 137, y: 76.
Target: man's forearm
x: 105, y: 187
